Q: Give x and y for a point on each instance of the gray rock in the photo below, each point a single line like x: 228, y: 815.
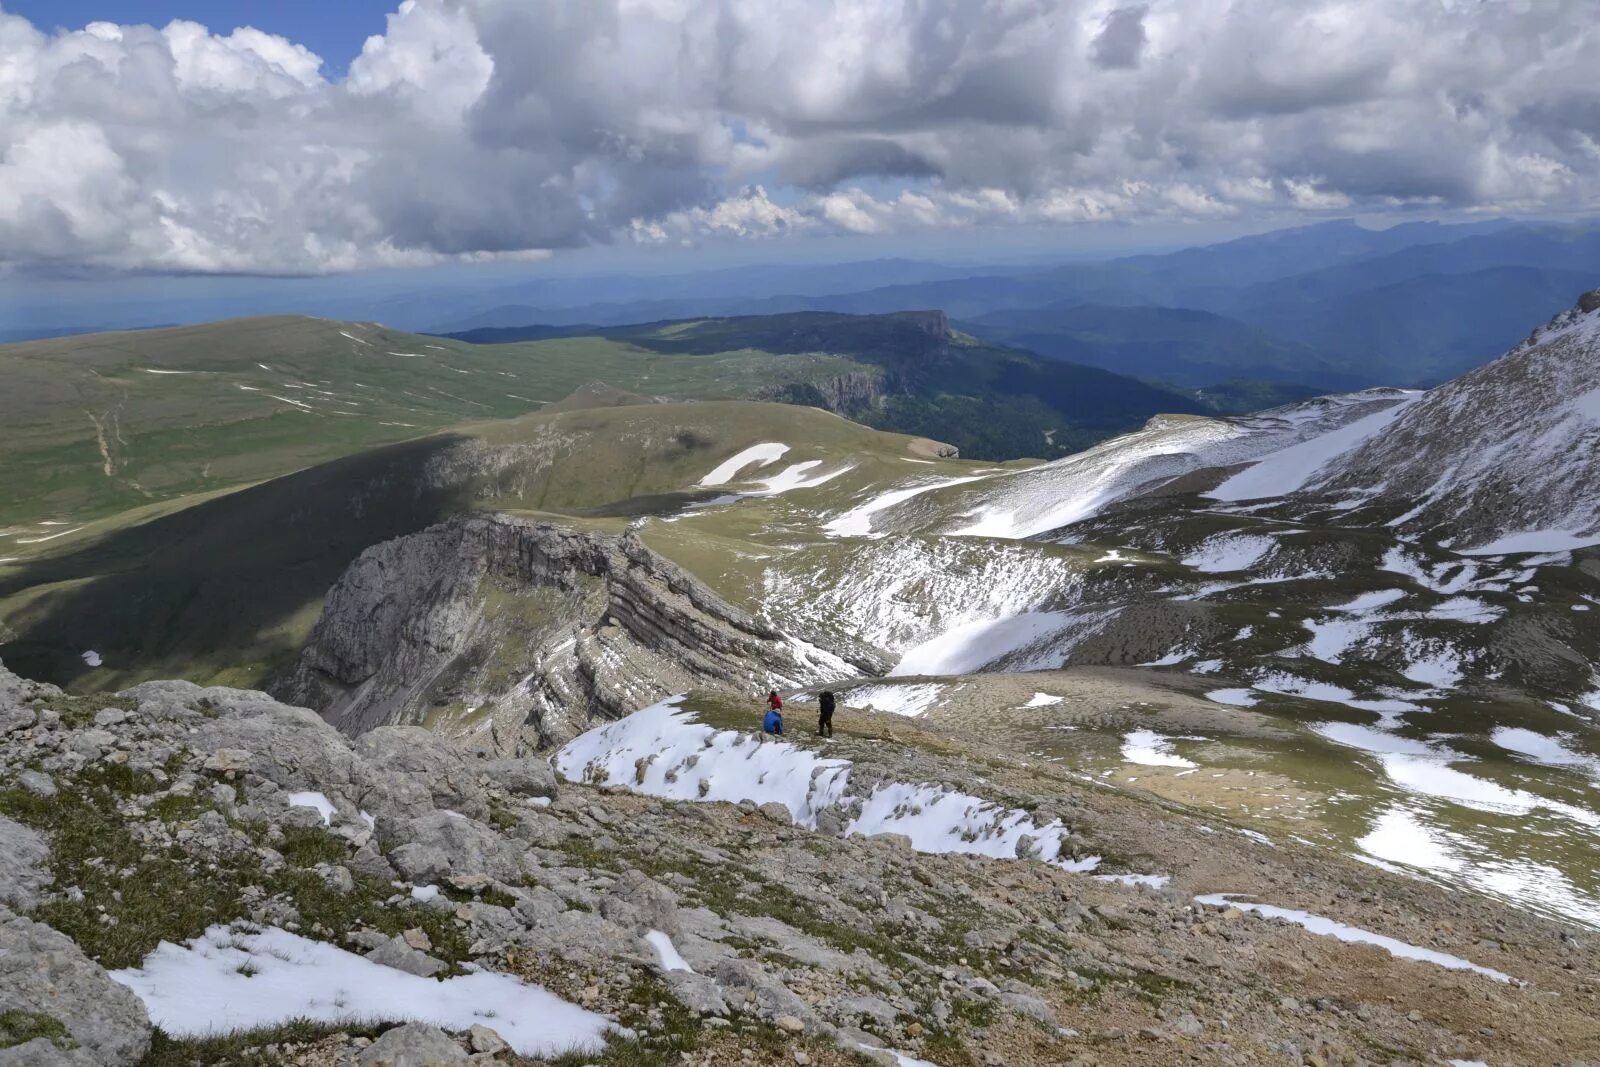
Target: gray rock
x: 414, y: 1045
x: 764, y: 991
x: 91, y: 744
x: 291, y: 747
x: 1032, y: 1006
x: 697, y: 992
x: 402, y: 957
x: 106, y: 717
x: 43, y: 1052
x: 580, y: 936
x: 16, y: 717
x: 229, y: 761
x: 370, y: 862
x: 524, y: 777
x: 406, y: 771
x: 38, y: 783
x: 443, y: 844
x: 486, y: 1041
x: 43, y: 972
x: 23, y: 856
x: 640, y: 903
x: 778, y: 813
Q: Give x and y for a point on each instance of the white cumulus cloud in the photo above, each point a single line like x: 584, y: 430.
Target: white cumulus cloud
x: 480, y: 129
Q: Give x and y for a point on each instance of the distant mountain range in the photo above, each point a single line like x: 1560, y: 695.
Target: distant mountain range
x: 1333, y: 305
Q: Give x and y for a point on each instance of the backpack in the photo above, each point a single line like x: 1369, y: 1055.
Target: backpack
x: 825, y: 702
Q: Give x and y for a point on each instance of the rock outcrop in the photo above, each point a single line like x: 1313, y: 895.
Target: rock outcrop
x: 524, y: 632
x: 84, y: 1017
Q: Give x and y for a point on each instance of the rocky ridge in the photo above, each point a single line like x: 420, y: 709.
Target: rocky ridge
x: 554, y: 627
x: 168, y: 810
x: 1491, y: 460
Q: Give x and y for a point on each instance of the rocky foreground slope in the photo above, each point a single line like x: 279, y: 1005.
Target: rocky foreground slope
x: 179, y: 861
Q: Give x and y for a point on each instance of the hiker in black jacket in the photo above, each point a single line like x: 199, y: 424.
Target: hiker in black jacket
x: 825, y: 714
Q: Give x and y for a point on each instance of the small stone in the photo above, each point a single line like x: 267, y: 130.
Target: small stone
x: 110, y: 717
x: 38, y: 783
x: 801, y: 1059
x: 228, y: 761
x: 775, y: 812
x: 914, y: 1030
x: 418, y: 939
x: 789, y: 1023
x: 1414, y: 1016
x: 486, y: 1041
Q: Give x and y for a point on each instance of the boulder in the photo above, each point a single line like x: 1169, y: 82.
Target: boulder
x: 524, y: 777
x: 407, y: 771
x: 443, y: 844
x: 402, y: 957
x: 43, y: 973
x: 291, y: 747
x: 414, y: 1045
x: 38, y: 783
x: 23, y: 856
x: 16, y: 717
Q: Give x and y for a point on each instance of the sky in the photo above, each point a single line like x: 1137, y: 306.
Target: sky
x: 334, y: 29
x: 141, y: 138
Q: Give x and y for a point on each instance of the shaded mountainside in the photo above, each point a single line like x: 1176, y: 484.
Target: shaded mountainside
x: 1179, y: 345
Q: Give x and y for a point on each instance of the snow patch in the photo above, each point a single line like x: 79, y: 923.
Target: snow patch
x: 660, y: 751
x: 236, y: 978
x: 1226, y: 553
x: 1042, y: 700
x: 908, y: 700
x: 857, y: 522
x: 1288, y: 469
x: 667, y: 952
x: 1326, y: 927
x: 92, y: 658
x: 318, y: 802
x: 1150, y: 749
x: 760, y: 455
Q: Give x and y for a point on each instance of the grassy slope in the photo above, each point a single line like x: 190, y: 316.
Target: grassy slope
x: 88, y: 429
x: 227, y: 589
x: 992, y: 402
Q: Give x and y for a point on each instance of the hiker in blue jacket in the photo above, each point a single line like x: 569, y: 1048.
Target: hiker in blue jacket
x: 773, y: 723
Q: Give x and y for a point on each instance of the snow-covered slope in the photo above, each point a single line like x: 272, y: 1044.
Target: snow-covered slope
x: 1503, y: 459
x: 1040, y: 499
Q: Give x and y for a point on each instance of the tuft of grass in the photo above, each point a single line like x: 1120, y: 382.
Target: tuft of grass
x: 168, y: 1051
x: 21, y: 1027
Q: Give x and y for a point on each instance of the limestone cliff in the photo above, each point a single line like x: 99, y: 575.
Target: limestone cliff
x: 516, y: 633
